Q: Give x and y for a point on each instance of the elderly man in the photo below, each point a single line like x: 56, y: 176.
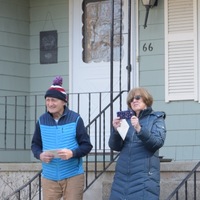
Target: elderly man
x: 60, y: 141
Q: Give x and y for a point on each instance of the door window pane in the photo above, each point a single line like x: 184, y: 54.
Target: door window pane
x: 97, y: 16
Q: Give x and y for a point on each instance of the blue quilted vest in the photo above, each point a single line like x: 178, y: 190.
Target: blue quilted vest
x: 60, y: 137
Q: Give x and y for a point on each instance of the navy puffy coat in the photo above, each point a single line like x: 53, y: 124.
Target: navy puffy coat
x: 137, y: 173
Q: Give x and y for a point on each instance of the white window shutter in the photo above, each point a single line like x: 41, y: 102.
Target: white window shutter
x: 180, y: 50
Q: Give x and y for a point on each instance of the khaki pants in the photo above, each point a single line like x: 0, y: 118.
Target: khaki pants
x: 69, y: 189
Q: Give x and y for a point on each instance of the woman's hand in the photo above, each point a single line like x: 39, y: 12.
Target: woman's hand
x: 116, y: 123
x: 135, y: 123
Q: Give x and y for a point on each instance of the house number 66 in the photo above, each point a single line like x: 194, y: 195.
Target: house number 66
x: 147, y: 48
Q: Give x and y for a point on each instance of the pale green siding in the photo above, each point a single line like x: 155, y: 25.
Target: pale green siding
x: 45, y: 16
x: 20, y: 24
x: 14, y: 47
x: 183, y: 117
x: 20, y: 70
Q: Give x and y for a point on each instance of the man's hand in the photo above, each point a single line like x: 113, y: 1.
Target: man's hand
x: 46, y: 157
x: 65, y: 154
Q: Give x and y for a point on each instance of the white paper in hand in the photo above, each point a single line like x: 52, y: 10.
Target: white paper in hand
x: 53, y: 151
x: 123, y: 129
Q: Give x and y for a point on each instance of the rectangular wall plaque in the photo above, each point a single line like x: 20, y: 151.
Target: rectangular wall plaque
x: 48, y: 47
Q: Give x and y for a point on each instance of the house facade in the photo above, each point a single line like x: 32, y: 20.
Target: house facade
x: 164, y: 58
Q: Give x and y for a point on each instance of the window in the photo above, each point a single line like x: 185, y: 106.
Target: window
x: 97, y: 28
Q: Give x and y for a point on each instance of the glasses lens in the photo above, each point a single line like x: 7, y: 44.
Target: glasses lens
x: 138, y: 97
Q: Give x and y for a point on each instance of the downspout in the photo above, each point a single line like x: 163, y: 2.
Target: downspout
x: 111, y: 68
x: 129, y: 48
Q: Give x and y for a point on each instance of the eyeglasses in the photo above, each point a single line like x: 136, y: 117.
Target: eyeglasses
x: 137, y: 97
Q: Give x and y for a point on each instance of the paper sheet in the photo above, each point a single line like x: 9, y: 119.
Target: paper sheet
x: 123, y: 129
x: 53, y: 151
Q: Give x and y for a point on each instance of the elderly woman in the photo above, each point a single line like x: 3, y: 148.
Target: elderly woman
x: 137, y: 173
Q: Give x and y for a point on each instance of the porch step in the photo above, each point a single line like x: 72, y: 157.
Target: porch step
x: 106, y: 187
x: 166, y: 187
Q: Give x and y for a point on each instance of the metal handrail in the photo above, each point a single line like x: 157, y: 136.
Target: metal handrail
x: 113, y: 156
x: 17, y: 193
x: 95, y: 153
x: 26, y: 110
x: 184, y: 183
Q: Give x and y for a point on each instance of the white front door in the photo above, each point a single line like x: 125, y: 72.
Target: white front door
x: 94, y: 76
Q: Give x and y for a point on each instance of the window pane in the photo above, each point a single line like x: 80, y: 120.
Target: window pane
x: 97, y: 28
